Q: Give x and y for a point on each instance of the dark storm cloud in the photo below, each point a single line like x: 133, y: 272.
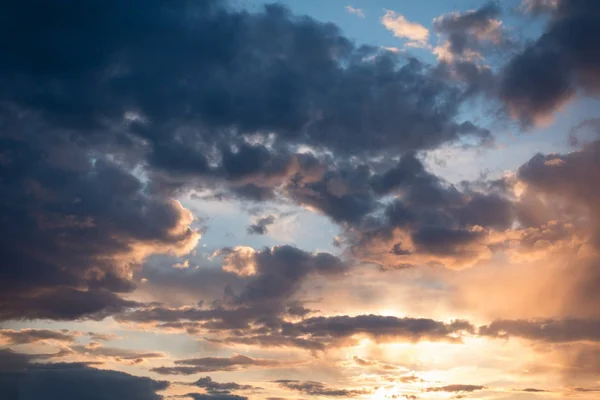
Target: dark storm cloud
x: 72, y: 234
x: 13, y: 361
x: 107, y: 111
x: 24, y: 336
x: 351, y: 195
x: 300, y: 79
x: 313, y: 388
x: 25, y: 380
x: 563, y: 61
x: 210, y: 364
x: 64, y: 304
x: 261, y: 225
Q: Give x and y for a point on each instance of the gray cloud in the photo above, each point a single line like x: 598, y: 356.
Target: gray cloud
x: 209, y: 364
x: 379, y: 328
x: 217, y: 388
x: 313, y: 388
x: 563, y: 61
x: 455, y: 388
x: 261, y: 225
x: 24, y: 380
x: 24, y: 336
x: 215, y: 396
x: 550, y: 330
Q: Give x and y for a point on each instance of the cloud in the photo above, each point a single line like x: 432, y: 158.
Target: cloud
x: 96, y: 144
x: 261, y: 224
x: 313, y: 388
x: 537, y: 7
x: 65, y: 304
x: 465, y: 35
x: 402, y: 28
x: 216, y: 396
x: 356, y: 11
x: 550, y: 330
x: 276, y: 273
x: 24, y: 380
x: 25, y: 336
x: 74, y: 235
x: 213, y: 387
x: 455, y: 388
x: 571, y: 200
x: 210, y: 364
x: 564, y: 61
x: 379, y: 328
x: 124, y: 356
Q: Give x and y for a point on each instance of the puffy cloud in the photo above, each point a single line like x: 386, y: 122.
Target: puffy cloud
x: 281, y: 269
x: 74, y: 235
x: 310, y: 84
x: 276, y: 273
x: 465, y: 34
x: 402, y: 28
x: 97, y: 141
x: 562, y: 62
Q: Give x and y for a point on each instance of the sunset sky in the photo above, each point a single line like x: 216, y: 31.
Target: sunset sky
x: 313, y: 199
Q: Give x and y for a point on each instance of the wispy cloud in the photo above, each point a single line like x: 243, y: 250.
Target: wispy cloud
x: 356, y: 11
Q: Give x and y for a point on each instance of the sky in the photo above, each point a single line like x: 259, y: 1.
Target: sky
x: 310, y: 199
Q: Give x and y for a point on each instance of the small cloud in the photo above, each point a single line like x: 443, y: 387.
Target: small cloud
x: 183, y: 265
x: 356, y: 11
x: 392, y: 49
x: 416, y: 33
x: 538, y: 6
x: 260, y: 226
x: 554, y: 162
